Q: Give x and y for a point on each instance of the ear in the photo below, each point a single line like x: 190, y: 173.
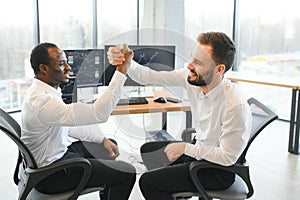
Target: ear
x: 43, y: 69
x: 221, y: 68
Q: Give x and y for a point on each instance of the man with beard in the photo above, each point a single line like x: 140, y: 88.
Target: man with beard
x: 221, y: 116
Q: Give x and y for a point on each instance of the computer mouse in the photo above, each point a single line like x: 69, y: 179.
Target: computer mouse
x: 160, y: 100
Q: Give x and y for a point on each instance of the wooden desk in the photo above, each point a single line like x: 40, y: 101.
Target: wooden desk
x: 286, y: 82
x: 154, y: 107
x: 292, y: 83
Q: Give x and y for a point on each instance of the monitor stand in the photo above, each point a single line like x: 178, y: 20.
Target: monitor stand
x: 138, y: 91
x: 86, y: 94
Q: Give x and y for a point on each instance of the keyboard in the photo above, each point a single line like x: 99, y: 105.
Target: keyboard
x: 133, y: 101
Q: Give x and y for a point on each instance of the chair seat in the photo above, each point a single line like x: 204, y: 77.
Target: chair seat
x: 34, y: 194
x: 237, y: 191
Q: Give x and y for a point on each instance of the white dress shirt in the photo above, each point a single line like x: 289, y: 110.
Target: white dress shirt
x: 47, y: 121
x: 222, y: 117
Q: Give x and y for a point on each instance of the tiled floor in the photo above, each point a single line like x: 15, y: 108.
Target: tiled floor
x: 275, y: 172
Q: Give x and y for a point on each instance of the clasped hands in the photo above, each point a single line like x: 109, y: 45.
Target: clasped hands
x: 120, y: 56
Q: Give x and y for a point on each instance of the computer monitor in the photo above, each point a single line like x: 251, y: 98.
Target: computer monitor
x: 156, y: 57
x: 87, y: 66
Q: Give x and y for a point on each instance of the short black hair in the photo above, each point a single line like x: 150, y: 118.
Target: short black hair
x: 223, y: 47
x: 39, y: 55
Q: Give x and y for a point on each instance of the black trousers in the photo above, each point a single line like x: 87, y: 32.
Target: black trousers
x: 164, y: 178
x: 118, y: 176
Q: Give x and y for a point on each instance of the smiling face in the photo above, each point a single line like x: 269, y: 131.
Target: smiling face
x: 58, y: 68
x: 201, y: 67
x: 203, y: 70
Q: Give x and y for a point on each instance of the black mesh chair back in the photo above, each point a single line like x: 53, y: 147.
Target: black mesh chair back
x: 262, y: 116
x: 13, y: 130
x: 35, y: 174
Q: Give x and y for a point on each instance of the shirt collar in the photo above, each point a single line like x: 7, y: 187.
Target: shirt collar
x: 47, y: 88
x: 214, y: 92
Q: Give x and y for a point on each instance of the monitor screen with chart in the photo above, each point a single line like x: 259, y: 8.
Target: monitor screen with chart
x: 156, y: 57
x: 87, y: 66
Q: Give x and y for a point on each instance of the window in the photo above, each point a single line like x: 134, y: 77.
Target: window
x: 268, y: 42
x: 203, y: 16
x: 179, y: 23
x: 117, y: 22
x: 269, y: 37
x: 67, y: 23
x: 16, y: 41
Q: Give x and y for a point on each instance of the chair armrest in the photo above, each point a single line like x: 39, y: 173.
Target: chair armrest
x: 240, y: 169
x: 34, y: 176
x: 186, y: 134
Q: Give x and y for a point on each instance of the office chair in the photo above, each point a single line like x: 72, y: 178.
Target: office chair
x: 261, y: 117
x: 35, y: 174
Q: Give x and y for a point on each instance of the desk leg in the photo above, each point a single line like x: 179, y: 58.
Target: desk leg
x: 294, y: 120
x: 296, y: 139
x: 188, y: 119
x: 164, y: 121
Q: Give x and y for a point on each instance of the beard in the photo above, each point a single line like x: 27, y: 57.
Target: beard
x: 200, y: 81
